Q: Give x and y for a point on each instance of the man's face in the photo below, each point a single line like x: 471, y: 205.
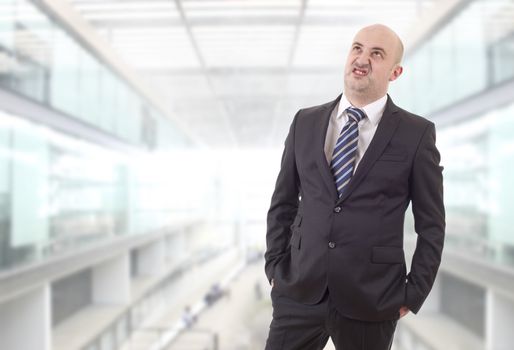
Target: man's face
x: 372, y: 62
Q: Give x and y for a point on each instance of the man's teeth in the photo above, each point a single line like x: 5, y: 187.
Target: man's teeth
x: 360, y: 72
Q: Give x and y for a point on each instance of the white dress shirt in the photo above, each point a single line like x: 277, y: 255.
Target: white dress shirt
x: 367, y: 126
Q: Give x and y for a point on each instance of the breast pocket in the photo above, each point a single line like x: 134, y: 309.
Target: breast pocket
x: 393, y: 157
x: 389, y: 174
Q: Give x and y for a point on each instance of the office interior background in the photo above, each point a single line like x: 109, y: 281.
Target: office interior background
x: 140, y: 141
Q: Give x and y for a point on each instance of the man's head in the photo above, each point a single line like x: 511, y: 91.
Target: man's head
x: 373, y: 61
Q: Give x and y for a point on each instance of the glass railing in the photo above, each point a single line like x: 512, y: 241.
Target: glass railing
x: 478, y: 159
x: 42, y: 61
x: 470, y: 53
x: 59, y: 193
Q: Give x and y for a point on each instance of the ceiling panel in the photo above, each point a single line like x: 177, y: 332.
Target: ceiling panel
x: 235, y: 46
x: 154, y: 48
x: 237, y: 70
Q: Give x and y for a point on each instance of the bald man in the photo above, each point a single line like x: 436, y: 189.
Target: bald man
x: 349, y: 170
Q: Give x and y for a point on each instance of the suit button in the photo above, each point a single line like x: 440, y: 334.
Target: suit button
x: 337, y: 209
x: 331, y: 245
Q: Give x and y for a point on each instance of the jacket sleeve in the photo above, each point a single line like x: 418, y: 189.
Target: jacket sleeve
x: 284, y: 205
x: 426, y: 189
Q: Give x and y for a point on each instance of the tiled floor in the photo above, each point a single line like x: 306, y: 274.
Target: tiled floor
x: 240, y: 321
x: 189, y: 289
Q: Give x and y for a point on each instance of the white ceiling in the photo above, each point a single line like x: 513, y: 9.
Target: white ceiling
x: 236, y: 71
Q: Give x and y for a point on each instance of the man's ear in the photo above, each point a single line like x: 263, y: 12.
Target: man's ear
x: 397, y: 71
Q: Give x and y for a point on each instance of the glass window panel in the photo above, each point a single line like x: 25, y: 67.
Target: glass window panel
x: 7, y: 59
x: 501, y: 175
x: 442, y: 70
x: 33, y: 37
x: 89, y: 91
x: 7, y: 24
x: 109, y: 101
x: 57, y: 193
x: 31, y: 51
x: 478, y: 155
x: 148, y: 125
x: 7, y: 63
x: 29, y: 189
x: 503, y: 57
x: 470, y: 68
x: 104, y: 110
x: 28, y: 78
x: 133, y: 122
x: 472, y: 52
x: 5, y: 193
x: 423, y: 80
x: 65, y: 78
x: 39, y: 59
x: 122, y: 115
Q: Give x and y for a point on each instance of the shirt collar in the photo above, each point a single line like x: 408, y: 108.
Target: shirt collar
x: 373, y: 111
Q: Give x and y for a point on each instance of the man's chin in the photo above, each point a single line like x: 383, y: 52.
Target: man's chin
x: 358, y: 88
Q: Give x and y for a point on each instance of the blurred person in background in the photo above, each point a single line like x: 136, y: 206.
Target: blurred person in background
x: 350, y: 167
x: 188, y: 318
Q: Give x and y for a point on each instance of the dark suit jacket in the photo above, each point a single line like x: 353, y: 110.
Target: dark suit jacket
x: 353, y: 245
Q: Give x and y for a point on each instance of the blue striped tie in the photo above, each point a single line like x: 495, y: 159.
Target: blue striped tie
x: 343, y: 157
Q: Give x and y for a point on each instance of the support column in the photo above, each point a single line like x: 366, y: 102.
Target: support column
x: 433, y: 301
x: 499, y: 321
x: 25, y: 321
x: 111, y: 281
x: 151, y: 259
x: 175, y: 248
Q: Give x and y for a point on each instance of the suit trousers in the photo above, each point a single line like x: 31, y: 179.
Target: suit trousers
x: 297, y: 326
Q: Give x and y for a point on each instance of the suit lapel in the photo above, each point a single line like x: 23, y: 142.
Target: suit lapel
x: 385, y: 130
x: 320, y: 136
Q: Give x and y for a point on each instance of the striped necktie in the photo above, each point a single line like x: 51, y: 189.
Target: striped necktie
x: 343, y: 157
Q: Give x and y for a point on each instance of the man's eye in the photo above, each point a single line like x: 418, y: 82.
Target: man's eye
x: 376, y: 53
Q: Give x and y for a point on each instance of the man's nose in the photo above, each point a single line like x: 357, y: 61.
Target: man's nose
x: 362, y: 59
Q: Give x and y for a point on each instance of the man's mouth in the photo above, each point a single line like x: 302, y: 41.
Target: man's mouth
x: 360, y: 71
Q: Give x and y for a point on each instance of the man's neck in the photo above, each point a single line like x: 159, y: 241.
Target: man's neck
x: 360, y: 101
